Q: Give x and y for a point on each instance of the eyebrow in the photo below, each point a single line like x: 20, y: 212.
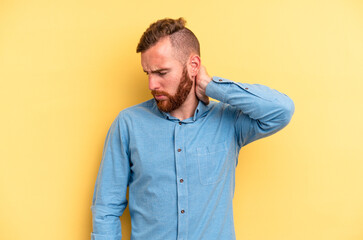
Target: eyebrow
x: 159, y: 70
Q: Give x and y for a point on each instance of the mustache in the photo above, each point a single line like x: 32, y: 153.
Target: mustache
x: 155, y: 92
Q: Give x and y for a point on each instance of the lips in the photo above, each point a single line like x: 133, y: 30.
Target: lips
x: 160, y: 97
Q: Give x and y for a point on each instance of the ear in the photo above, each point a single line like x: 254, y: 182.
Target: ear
x: 194, y: 64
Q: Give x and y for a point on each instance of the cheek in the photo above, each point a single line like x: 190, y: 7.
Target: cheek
x: 171, y: 83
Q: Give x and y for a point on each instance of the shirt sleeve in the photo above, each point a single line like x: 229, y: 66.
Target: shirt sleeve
x: 259, y: 110
x: 109, y: 199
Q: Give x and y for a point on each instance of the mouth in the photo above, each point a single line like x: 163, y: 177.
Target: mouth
x: 160, y: 97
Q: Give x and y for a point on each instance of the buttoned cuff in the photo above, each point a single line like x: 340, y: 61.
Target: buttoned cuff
x: 217, y: 88
x: 95, y: 236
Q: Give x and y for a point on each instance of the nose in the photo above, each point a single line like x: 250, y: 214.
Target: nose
x: 153, y: 83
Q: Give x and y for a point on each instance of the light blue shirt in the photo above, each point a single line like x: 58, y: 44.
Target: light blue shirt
x: 181, y: 174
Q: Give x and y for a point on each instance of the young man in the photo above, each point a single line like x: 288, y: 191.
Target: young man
x: 178, y: 152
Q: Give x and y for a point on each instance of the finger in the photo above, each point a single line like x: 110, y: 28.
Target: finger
x: 201, y: 72
x: 205, y: 100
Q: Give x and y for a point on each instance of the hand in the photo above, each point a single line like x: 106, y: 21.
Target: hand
x: 201, y: 81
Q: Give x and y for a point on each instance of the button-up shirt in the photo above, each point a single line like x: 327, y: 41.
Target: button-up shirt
x: 181, y: 174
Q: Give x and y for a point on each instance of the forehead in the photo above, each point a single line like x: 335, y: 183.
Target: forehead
x: 161, y: 55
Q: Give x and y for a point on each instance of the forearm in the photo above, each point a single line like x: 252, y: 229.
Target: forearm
x: 260, y: 110
x: 106, y: 224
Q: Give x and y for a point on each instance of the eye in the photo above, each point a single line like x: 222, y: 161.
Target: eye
x: 162, y: 73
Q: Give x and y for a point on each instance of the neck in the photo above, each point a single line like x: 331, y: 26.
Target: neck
x: 187, y: 109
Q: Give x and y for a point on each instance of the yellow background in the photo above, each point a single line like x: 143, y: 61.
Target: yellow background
x: 68, y: 67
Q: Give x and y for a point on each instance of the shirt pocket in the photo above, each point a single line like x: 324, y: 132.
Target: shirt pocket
x: 212, y: 163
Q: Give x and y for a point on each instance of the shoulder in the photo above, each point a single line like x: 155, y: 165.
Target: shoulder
x: 144, y: 106
x: 141, y: 110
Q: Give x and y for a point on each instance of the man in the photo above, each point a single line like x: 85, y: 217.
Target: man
x: 178, y: 152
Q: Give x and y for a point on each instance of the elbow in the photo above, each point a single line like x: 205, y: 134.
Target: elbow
x: 288, y: 110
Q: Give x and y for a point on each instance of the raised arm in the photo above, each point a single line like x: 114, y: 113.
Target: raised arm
x: 259, y: 110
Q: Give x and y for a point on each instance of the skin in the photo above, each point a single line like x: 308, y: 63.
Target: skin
x: 164, y: 72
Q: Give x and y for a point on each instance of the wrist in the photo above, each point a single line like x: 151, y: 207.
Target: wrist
x: 204, y: 82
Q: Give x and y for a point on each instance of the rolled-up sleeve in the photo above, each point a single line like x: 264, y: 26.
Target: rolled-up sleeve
x: 259, y: 110
x: 109, y: 199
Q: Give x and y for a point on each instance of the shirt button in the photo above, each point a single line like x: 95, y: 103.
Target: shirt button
x: 246, y: 88
x: 220, y: 80
x: 182, y: 211
x: 181, y: 180
x: 179, y: 150
x: 180, y: 123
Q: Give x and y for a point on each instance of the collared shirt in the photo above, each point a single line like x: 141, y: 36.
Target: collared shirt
x: 181, y: 174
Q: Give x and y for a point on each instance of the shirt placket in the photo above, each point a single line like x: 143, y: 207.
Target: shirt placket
x: 182, y: 181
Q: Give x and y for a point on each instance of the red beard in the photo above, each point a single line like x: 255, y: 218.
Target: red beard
x: 174, y: 102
